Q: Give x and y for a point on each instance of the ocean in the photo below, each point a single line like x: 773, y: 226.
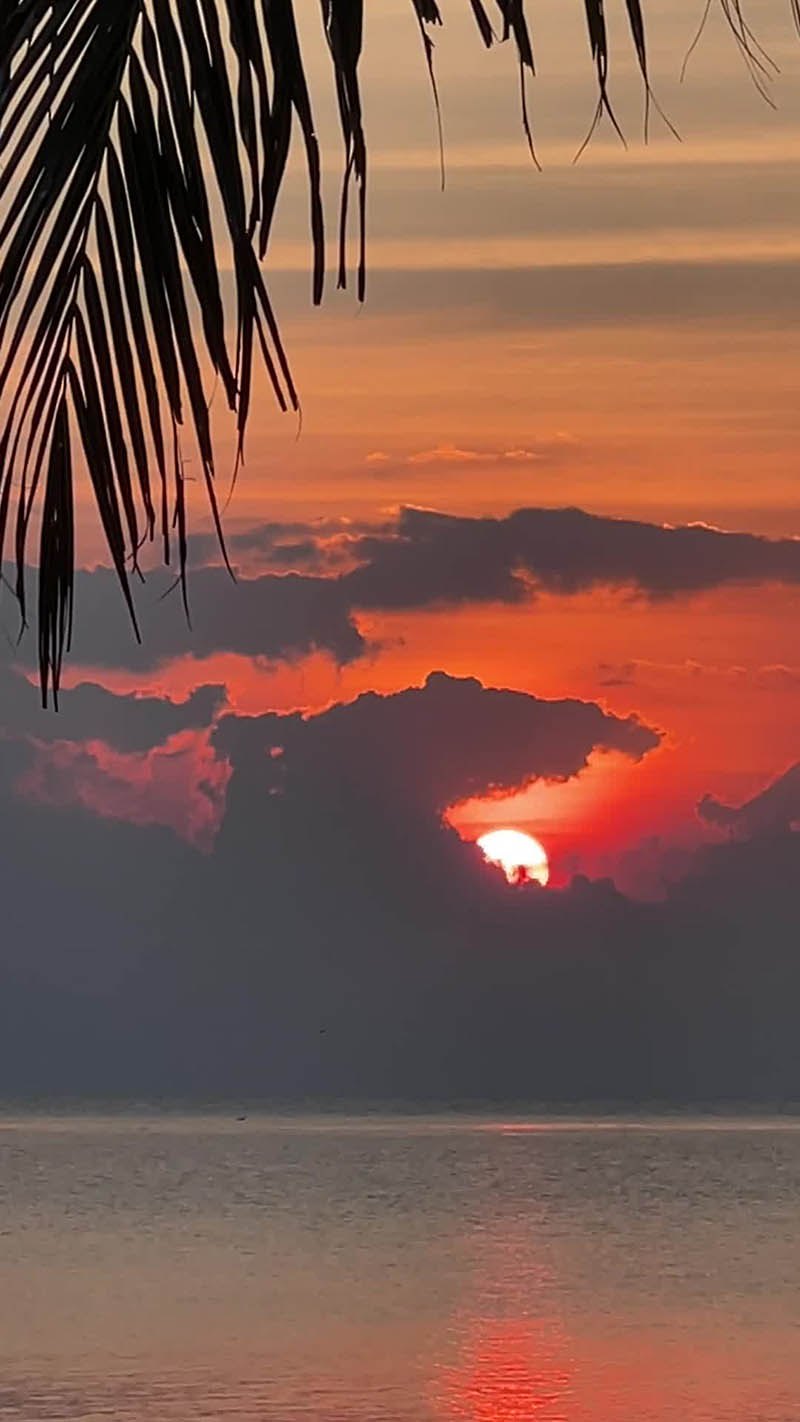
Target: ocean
x: 162, y: 1266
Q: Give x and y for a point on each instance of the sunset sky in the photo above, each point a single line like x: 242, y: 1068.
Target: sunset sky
x: 618, y: 336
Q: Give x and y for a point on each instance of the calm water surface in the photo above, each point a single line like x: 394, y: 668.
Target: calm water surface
x: 384, y: 1269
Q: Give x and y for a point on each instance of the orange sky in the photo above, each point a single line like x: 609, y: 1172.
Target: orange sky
x: 620, y: 335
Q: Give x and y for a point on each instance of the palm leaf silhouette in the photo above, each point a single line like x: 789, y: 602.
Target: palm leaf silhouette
x: 124, y: 125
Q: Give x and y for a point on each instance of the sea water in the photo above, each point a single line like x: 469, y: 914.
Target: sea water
x: 171, y: 1266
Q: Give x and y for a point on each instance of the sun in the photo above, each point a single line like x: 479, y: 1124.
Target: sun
x: 521, y: 857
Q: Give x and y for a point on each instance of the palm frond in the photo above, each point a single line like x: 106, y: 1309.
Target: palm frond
x: 123, y: 127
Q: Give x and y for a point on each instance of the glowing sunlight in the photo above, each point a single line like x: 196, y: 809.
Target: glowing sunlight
x: 521, y: 857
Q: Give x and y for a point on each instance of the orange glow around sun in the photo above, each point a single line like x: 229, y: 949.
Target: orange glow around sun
x: 521, y: 857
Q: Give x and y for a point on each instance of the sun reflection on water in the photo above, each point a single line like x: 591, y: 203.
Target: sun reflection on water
x: 512, y: 1370
x: 511, y: 1358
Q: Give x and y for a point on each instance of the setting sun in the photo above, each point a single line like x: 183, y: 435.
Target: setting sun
x: 521, y: 857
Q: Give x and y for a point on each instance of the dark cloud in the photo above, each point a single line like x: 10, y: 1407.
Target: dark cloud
x: 141, y: 758
x: 423, y: 559
x: 272, y: 616
x: 320, y: 547
x: 282, y: 546
x: 426, y: 557
x: 89, y: 712
x: 340, y: 941
x: 150, y: 760
x: 774, y: 811
x: 434, y: 557
x: 428, y: 746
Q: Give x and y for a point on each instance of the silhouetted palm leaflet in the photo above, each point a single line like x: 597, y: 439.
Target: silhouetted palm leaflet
x: 122, y: 127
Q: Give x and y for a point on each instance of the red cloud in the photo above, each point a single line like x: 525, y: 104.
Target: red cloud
x: 180, y: 784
